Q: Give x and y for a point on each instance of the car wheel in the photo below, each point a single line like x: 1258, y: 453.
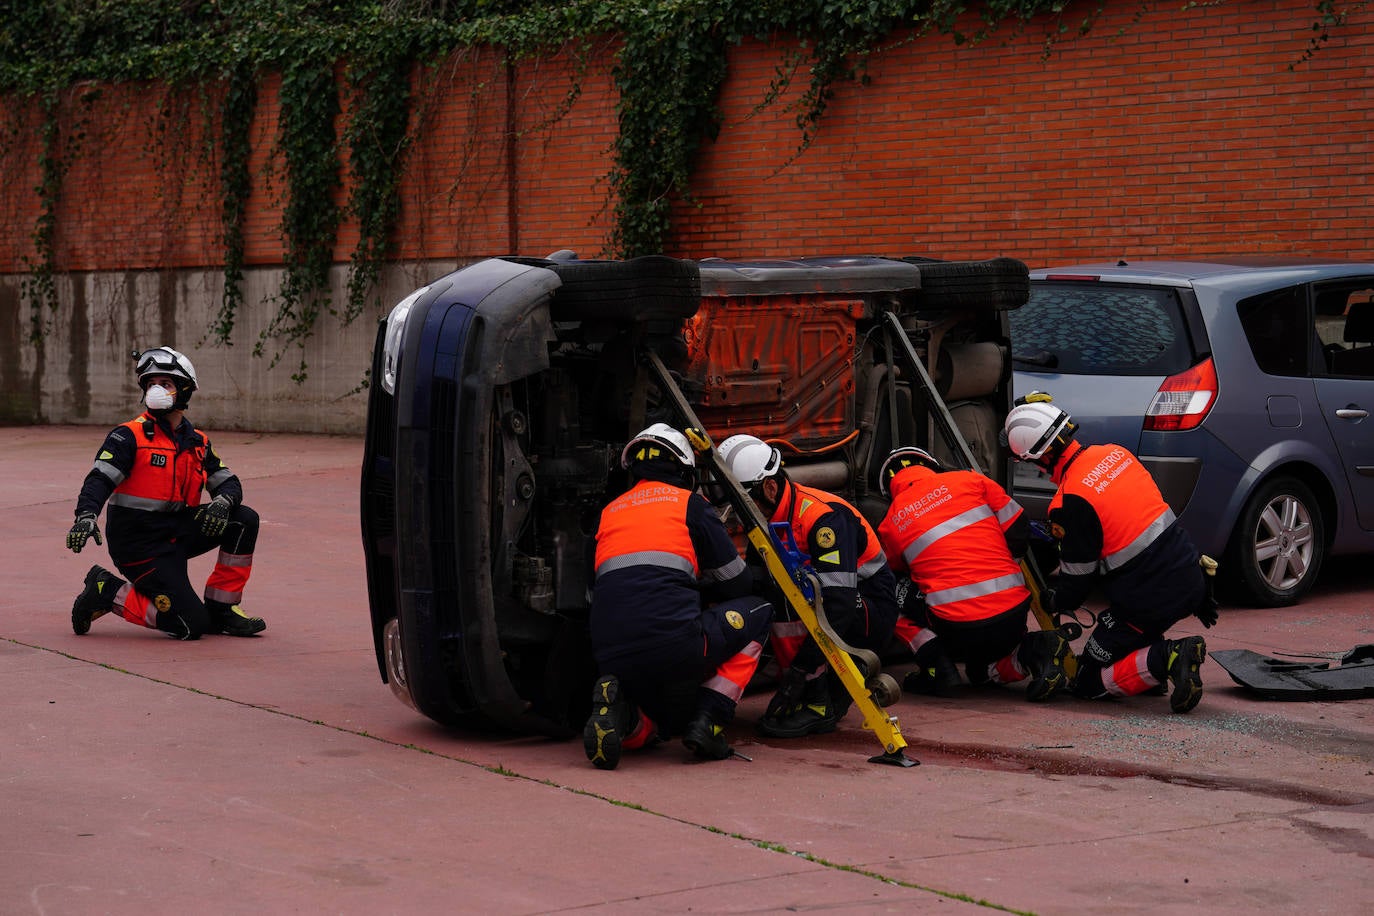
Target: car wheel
x: 650, y: 288
x: 998, y: 283
x: 1279, y: 543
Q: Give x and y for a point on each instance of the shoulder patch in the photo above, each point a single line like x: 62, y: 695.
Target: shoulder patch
x: 106, y: 454
x: 825, y: 537
x: 831, y: 557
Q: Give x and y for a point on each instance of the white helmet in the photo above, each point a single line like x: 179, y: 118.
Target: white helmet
x: 658, y: 441
x: 899, y: 459
x: 749, y: 458
x: 1035, y: 428
x: 165, y: 361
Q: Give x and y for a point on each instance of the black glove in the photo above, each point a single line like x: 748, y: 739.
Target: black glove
x: 1207, y: 613
x: 1047, y: 600
x: 789, y: 694
x: 84, y: 527
x: 214, y: 515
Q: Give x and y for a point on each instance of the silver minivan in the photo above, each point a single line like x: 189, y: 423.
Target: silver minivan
x: 1245, y: 386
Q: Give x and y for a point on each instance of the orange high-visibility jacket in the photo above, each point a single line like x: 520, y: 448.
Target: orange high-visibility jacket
x: 948, y: 531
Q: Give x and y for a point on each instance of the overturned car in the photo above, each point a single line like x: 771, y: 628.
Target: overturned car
x: 503, y: 393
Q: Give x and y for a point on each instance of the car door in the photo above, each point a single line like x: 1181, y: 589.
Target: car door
x: 1346, y: 390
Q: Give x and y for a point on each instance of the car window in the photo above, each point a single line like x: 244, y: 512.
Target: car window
x: 1345, y: 328
x: 1099, y: 329
x: 1276, y: 327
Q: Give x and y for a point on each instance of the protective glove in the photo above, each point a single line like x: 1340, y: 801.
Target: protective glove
x: 214, y: 515
x: 1207, y: 613
x: 789, y: 695
x: 83, y: 528
x: 1047, y: 600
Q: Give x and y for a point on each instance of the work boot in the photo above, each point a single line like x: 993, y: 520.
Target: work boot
x: 706, y: 739
x: 96, y: 599
x: 1185, y: 658
x: 816, y: 714
x: 230, y: 620
x: 608, y: 725
x: 1043, y: 653
x: 940, y: 679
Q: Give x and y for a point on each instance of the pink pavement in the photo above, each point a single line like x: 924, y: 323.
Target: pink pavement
x: 278, y: 774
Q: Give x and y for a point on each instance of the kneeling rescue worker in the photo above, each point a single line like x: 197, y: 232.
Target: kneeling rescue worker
x: 858, y: 590
x: 958, y: 535
x: 151, y: 470
x: 669, y: 664
x: 1109, y: 516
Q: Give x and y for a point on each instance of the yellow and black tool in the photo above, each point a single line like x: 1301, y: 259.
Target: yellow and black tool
x: 870, y: 690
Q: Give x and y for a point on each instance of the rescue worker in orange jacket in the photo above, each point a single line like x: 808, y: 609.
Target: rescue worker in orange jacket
x: 1115, y: 530
x: 669, y: 663
x: 858, y: 590
x: 958, y: 536
x: 152, y: 471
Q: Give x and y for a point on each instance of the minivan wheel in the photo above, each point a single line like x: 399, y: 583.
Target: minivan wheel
x: 1279, y: 543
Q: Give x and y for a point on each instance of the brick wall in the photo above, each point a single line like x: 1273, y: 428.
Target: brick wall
x: 1180, y: 131
x: 1164, y: 131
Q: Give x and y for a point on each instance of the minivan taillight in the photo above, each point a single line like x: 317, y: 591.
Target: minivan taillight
x: 1183, y: 400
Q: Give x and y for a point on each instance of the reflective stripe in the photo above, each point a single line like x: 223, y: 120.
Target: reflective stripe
x: 734, y: 675
x: 724, y: 573
x: 1144, y: 539
x: 873, y: 566
x: 223, y: 596
x: 947, y: 527
x: 146, y: 504
x: 1129, y: 676
x: 976, y: 590
x: 115, y: 475
x: 1008, y: 512
x: 912, y: 633
x: 218, y: 477
x: 647, y: 558
x: 1077, y: 569
x: 839, y: 579
x: 234, y: 559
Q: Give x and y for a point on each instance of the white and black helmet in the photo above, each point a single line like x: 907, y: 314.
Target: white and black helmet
x: 658, y: 441
x: 901, y: 458
x: 1037, y: 430
x: 165, y: 361
x: 749, y: 458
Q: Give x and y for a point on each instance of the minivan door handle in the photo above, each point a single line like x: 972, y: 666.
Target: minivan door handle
x: 1352, y: 413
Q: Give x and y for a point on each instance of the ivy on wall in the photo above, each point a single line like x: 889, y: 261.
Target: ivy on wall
x: 669, y: 70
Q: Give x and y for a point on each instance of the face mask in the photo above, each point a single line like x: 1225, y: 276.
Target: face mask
x: 159, y: 398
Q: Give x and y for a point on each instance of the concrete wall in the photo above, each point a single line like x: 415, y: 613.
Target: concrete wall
x: 1163, y: 132
x: 82, y: 371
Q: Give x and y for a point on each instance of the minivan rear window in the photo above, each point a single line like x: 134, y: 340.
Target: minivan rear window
x: 1099, y: 329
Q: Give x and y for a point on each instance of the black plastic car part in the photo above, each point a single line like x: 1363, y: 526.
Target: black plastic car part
x: 1285, y: 679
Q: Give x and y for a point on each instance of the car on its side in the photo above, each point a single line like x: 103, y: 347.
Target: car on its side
x: 503, y: 393
x: 1245, y: 386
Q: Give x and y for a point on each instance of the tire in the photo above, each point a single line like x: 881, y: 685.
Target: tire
x: 652, y: 288
x: 999, y: 283
x: 1278, y: 545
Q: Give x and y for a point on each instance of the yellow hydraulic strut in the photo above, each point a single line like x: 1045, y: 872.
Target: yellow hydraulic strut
x: 870, y: 691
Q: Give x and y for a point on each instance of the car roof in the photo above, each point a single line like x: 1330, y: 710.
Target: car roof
x: 1233, y: 273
